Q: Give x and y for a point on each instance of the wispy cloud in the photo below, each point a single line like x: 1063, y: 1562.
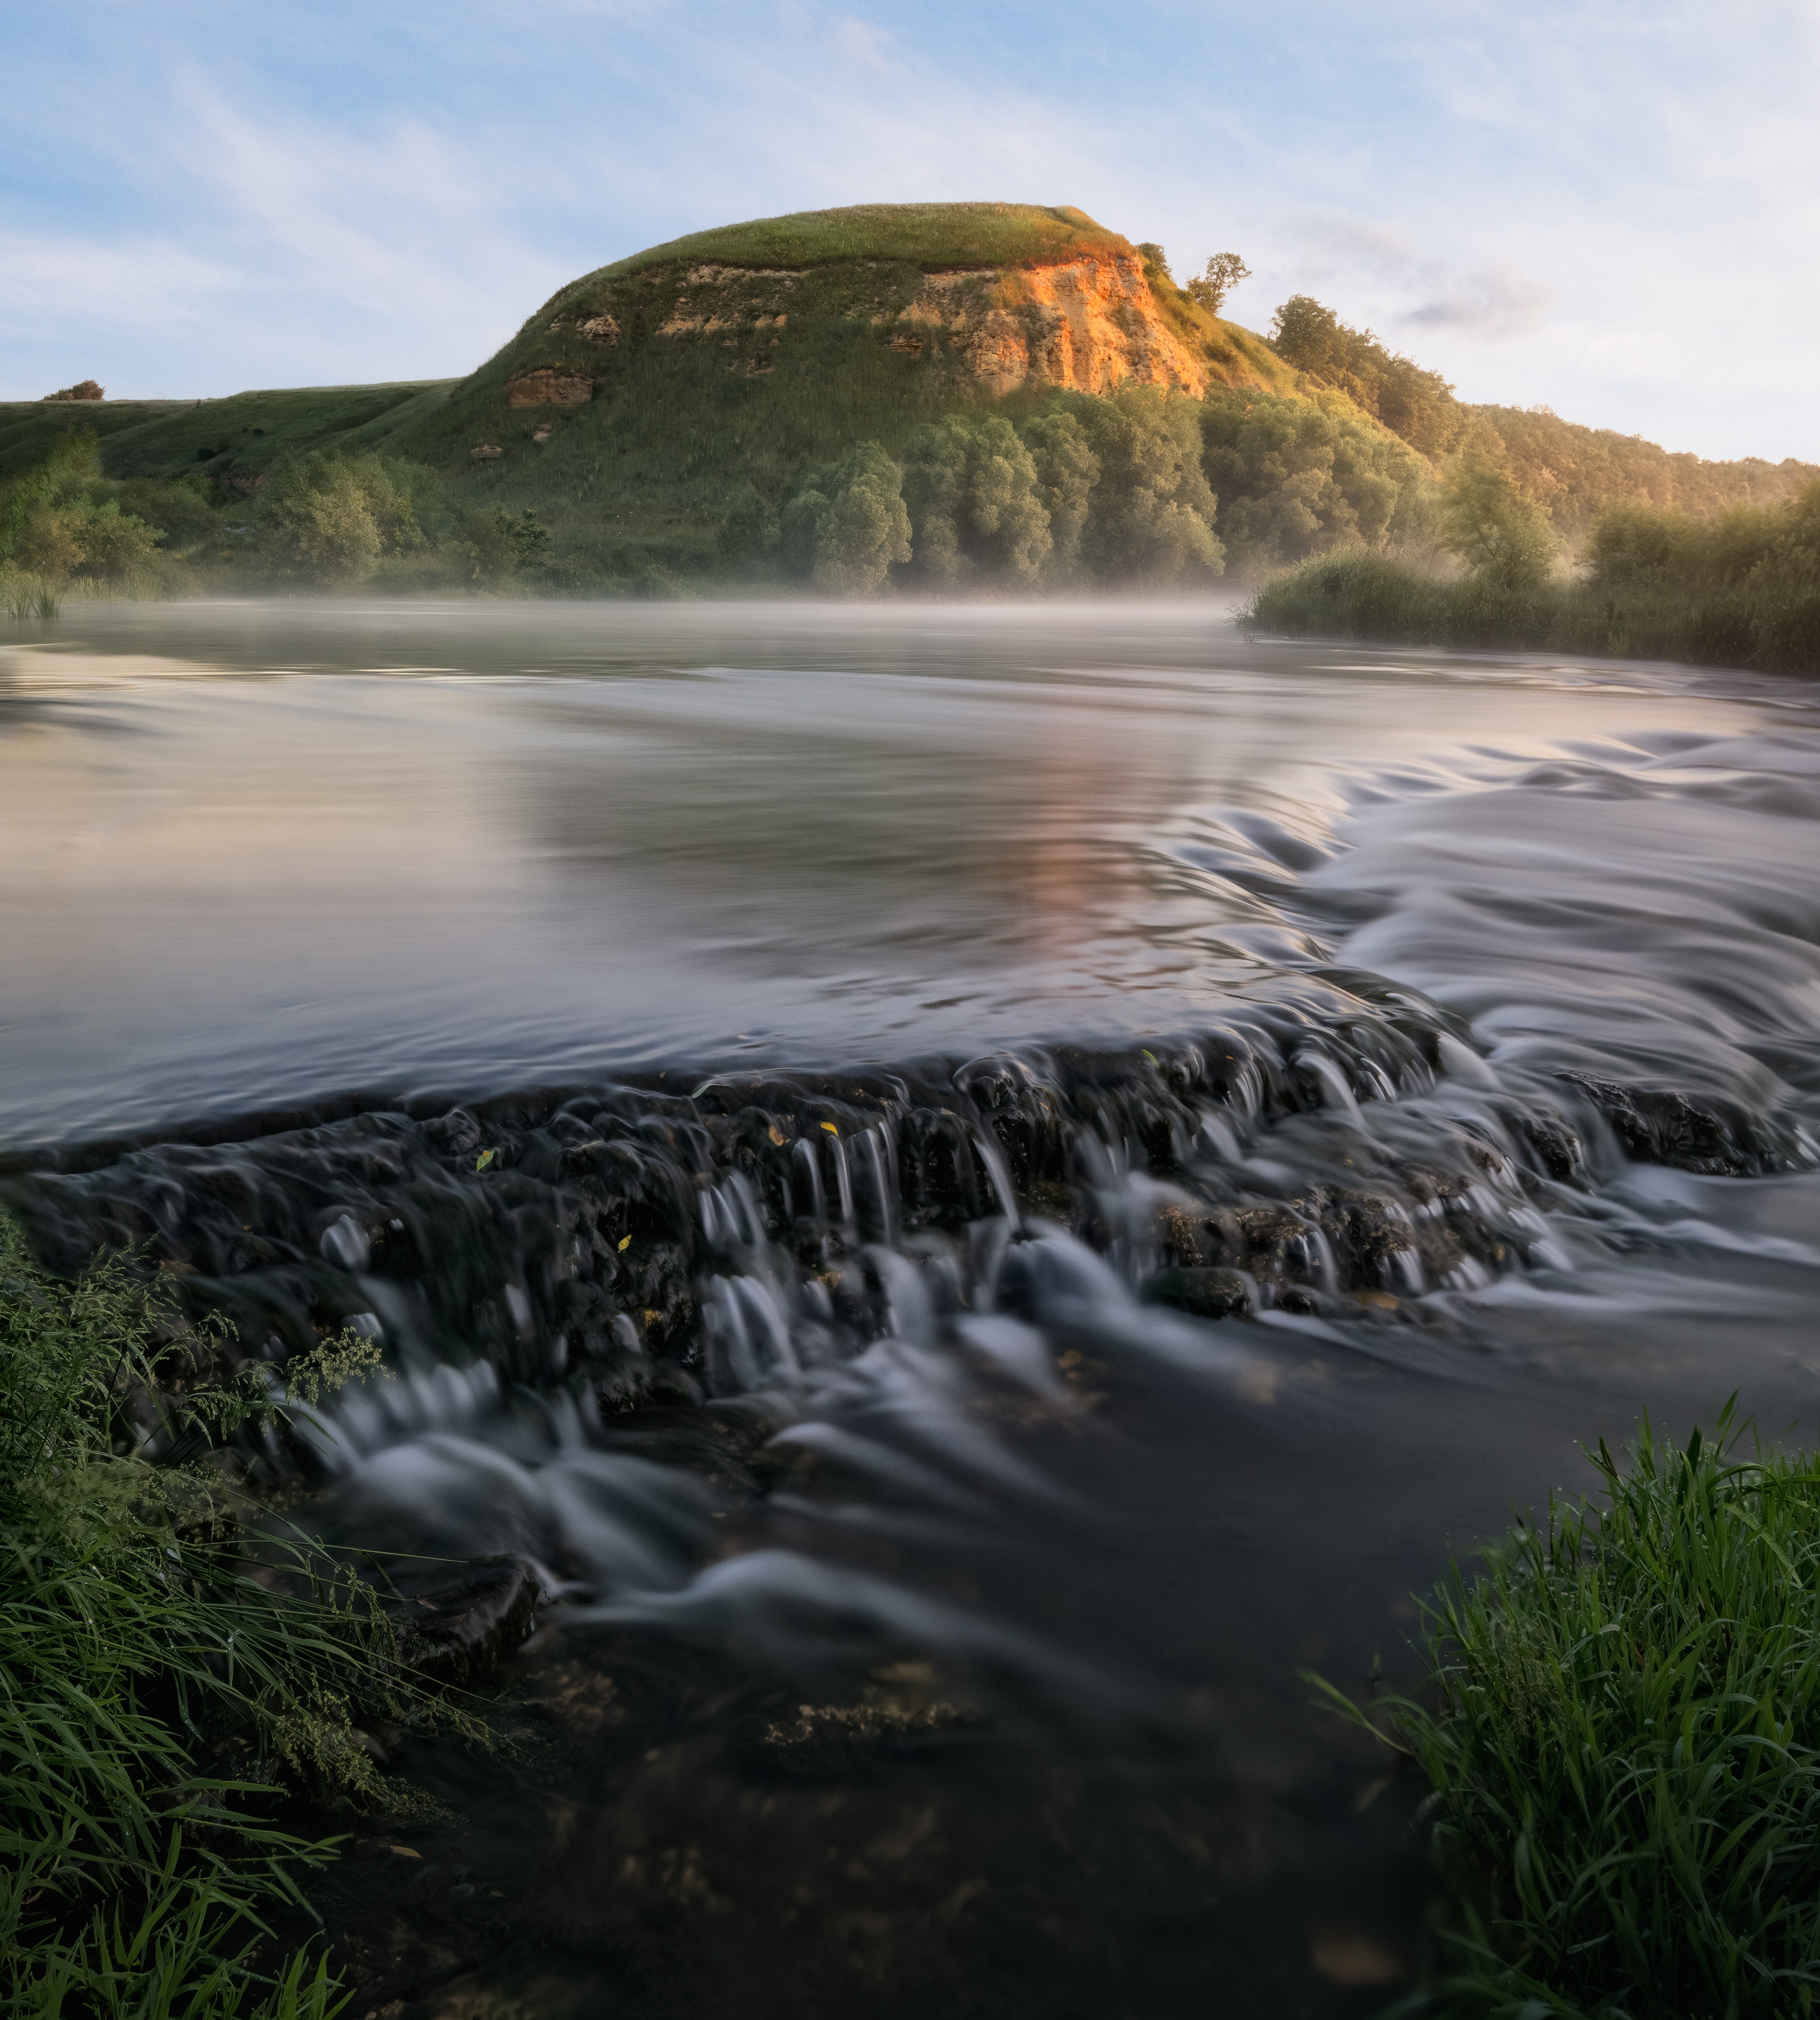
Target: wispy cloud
x: 376, y: 192
x: 1490, y: 303
x: 867, y: 45
x: 1495, y: 303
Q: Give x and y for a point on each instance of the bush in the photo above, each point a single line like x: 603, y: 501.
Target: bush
x: 1622, y: 1735
x: 327, y: 520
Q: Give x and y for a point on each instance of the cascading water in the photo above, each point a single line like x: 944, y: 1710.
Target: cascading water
x: 937, y: 1465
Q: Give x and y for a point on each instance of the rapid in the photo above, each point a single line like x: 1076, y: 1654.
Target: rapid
x: 972, y: 1192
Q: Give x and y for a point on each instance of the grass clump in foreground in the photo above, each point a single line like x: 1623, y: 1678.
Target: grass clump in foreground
x: 1623, y: 1737
x: 141, y: 1647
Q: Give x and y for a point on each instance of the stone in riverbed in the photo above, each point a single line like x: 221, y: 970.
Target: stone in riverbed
x: 460, y: 1632
x: 1205, y: 1293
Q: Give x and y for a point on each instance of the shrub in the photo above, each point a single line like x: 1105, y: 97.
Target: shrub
x: 1622, y: 1735
x: 327, y: 520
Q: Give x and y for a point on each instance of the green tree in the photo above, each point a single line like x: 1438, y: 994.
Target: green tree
x: 1417, y: 404
x: 1151, y: 512
x: 1223, y: 273
x: 1297, y: 476
x: 1502, y: 536
x: 747, y: 541
x: 489, y: 547
x: 73, y: 463
x: 328, y: 519
x: 971, y: 491
x: 1631, y: 546
x: 844, y: 526
x: 1066, y: 470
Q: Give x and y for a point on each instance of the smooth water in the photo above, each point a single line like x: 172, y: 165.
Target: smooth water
x: 758, y: 1068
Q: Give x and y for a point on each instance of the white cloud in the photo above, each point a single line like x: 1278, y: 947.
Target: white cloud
x: 865, y: 44
x: 1495, y: 303
x: 1489, y: 303
x: 54, y: 276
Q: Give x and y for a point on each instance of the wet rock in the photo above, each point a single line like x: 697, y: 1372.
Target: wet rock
x: 1716, y: 1138
x: 460, y: 1632
x: 1205, y: 1293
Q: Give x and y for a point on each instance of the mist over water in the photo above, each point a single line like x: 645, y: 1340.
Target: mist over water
x: 973, y: 1188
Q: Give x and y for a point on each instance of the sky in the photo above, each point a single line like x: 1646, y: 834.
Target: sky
x: 1609, y: 210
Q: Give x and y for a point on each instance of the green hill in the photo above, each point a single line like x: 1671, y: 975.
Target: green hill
x: 646, y: 401
x: 228, y: 441
x: 630, y: 405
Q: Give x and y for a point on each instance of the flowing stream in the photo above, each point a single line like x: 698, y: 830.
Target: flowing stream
x: 975, y: 1191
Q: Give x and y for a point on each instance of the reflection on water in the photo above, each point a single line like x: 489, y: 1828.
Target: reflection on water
x: 1177, y: 1135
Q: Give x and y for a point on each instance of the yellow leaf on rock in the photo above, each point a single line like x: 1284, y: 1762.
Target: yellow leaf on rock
x: 624, y: 1243
x: 831, y: 1129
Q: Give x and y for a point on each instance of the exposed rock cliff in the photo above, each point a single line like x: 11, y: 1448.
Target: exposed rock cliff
x: 1090, y: 323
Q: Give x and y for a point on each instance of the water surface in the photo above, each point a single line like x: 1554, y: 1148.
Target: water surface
x: 758, y: 1068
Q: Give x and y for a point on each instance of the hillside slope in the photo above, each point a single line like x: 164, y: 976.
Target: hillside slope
x: 230, y: 441
x: 637, y: 396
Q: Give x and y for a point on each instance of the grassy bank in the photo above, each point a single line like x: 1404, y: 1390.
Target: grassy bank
x: 159, y: 1686
x: 1773, y: 621
x: 1622, y: 1731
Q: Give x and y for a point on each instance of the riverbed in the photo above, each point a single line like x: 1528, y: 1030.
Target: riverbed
x: 977, y: 1190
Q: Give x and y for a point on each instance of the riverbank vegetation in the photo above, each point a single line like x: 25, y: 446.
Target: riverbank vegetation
x: 1622, y: 1732
x: 162, y: 1680
x: 1742, y: 590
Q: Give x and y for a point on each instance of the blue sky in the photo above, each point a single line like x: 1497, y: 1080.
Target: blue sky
x: 1610, y: 211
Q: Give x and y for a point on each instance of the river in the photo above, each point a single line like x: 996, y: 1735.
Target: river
x: 977, y: 1190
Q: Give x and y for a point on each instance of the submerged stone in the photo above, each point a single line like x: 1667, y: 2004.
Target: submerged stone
x: 460, y: 1632
x: 1205, y: 1293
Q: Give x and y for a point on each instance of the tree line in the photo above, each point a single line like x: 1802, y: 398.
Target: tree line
x: 1140, y: 488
